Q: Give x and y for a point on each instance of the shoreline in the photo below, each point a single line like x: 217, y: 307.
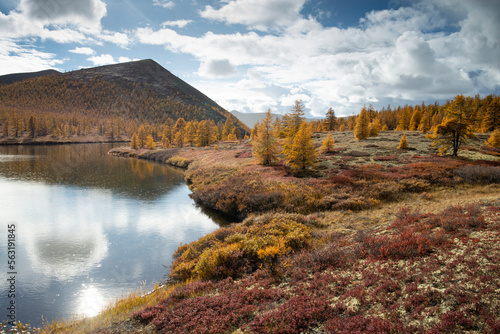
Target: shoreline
x: 316, y: 220
x: 52, y: 143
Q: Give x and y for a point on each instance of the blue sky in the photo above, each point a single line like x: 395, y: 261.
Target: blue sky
x: 251, y: 55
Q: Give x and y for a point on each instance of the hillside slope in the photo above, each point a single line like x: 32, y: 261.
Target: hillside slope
x: 11, y: 78
x: 139, y: 92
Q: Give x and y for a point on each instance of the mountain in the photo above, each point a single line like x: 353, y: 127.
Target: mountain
x: 250, y: 119
x: 147, y: 73
x: 141, y: 92
x: 11, y: 78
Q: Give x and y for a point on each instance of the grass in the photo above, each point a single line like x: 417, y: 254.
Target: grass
x: 116, y: 313
x: 374, y: 239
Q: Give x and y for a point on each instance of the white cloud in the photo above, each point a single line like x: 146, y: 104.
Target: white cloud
x: 104, y: 59
x: 124, y: 59
x: 16, y: 58
x: 87, y: 13
x: 117, y: 38
x: 164, y: 3
x: 400, y: 55
x: 83, y: 51
x: 261, y: 15
x: 177, y: 23
x: 217, y: 68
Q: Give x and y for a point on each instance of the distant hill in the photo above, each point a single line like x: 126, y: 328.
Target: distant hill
x: 11, y: 78
x: 141, y: 91
x: 250, y: 119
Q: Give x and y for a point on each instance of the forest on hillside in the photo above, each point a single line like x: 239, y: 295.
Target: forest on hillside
x: 60, y: 106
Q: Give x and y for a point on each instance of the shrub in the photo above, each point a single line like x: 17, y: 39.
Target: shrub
x: 178, y: 161
x: 479, y: 174
x: 240, y: 250
x: 403, y: 144
x: 364, y: 324
x: 384, y: 158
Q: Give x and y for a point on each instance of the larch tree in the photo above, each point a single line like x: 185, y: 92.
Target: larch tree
x: 190, y: 133
x: 328, y: 144
x: 491, y: 120
x: 205, y: 134
x: 180, y: 126
x: 293, y: 121
x: 425, y: 123
x: 179, y: 139
x: 5, y: 129
x: 302, y: 154
x: 236, y: 133
x: 361, y: 129
x: 32, y: 126
x: 415, y: 119
x: 150, y: 143
x: 331, y: 120
x: 374, y: 128
x: 142, y: 136
x: 456, y: 127
x: 403, y: 143
x: 264, y: 144
x: 165, y: 141
x: 134, y: 143
x: 494, y: 140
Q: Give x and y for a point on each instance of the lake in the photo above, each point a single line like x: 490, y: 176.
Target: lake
x: 87, y: 228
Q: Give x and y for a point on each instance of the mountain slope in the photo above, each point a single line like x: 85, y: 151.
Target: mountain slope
x: 141, y: 91
x: 11, y: 78
x: 147, y: 73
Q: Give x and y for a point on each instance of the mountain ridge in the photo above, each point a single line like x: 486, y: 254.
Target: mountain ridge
x: 139, y: 90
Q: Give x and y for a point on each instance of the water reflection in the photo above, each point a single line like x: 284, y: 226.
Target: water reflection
x: 87, y: 166
x: 90, y: 227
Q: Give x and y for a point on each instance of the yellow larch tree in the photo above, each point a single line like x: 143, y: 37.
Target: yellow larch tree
x: 361, y: 129
x: 150, y: 143
x: 302, y: 154
x: 494, y: 140
x: 264, y: 144
x: 328, y: 144
x: 134, y: 143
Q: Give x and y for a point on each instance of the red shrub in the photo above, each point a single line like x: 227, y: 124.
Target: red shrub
x: 384, y: 158
x: 296, y: 315
x: 364, y: 324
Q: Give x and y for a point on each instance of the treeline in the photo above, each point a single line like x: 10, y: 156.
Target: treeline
x: 63, y: 106
x: 484, y: 116
x: 182, y: 133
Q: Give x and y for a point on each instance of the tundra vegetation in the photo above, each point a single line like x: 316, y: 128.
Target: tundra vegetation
x: 338, y: 234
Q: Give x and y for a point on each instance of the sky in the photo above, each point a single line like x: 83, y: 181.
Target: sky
x: 255, y: 55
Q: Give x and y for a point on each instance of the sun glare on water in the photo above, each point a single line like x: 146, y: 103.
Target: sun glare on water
x: 90, y: 302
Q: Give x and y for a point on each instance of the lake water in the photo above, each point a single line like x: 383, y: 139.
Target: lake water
x: 89, y: 227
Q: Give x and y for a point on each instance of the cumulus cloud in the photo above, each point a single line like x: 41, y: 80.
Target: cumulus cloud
x: 83, y: 51
x: 261, y: 15
x: 104, y: 59
x: 217, y: 68
x: 63, y: 21
x: 87, y: 13
x: 427, y: 50
x: 177, y: 23
x: 164, y: 3
x: 16, y: 58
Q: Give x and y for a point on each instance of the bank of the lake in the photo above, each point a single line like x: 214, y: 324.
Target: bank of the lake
x: 51, y: 140
x: 371, y: 238
x: 90, y: 227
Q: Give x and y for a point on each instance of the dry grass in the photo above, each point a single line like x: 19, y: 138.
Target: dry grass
x: 118, y: 312
x: 432, y: 202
